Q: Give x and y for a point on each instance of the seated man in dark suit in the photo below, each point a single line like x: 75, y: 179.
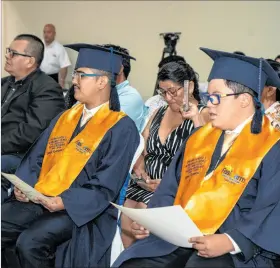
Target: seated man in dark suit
x: 29, y: 101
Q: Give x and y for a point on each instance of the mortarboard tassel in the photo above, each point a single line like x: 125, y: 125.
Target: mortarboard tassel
x: 114, y: 97
x: 256, y: 126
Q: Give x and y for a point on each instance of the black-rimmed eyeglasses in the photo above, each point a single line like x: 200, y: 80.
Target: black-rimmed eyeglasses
x: 171, y: 91
x: 13, y: 53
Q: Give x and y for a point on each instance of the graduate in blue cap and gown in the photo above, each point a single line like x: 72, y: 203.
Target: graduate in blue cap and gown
x: 226, y: 178
x: 80, y: 163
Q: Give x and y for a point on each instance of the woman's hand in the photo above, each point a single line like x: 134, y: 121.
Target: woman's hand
x: 149, y: 185
x: 191, y: 113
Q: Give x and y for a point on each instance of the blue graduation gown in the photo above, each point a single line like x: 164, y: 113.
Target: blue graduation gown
x: 87, y: 199
x: 253, y: 223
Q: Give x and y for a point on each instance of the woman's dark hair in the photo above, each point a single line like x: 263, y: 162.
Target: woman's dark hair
x: 173, y: 58
x: 178, y: 72
x: 277, y: 57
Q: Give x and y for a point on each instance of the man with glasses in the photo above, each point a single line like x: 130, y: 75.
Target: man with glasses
x: 80, y: 164
x: 226, y: 178
x: 29, y: 101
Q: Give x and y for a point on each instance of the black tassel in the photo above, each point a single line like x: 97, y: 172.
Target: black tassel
x: 256, y: 125
x: 114, y: 103
x: 114, y: 97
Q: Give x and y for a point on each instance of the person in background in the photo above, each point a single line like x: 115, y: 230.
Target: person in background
x: 80, y: 164
x: 224, y: 180
x: 56, y: 60
x: 130, y: 99
x: 277, y: 58
x: 158, y: 101
x: 164, y: 134
x: 29, y: 101
x: 271, y: 98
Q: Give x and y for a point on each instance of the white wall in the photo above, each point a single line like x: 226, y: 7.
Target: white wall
x: 250, y: 26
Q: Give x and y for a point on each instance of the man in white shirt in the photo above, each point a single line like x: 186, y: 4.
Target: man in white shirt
x: 56, y: 60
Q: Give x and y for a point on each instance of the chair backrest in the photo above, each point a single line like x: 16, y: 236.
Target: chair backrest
x: 138, y: 152
x: 117, y: 245
x: 135, y: 158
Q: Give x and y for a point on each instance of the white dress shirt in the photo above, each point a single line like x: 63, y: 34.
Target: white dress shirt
x: 55, y: 58
x: 90, y: 112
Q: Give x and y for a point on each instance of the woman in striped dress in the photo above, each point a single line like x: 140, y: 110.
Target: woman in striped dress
x: 164, y: 134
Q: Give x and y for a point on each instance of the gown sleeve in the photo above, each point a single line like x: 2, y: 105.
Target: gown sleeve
x: 257, y: 231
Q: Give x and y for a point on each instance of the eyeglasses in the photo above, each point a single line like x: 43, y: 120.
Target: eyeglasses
x: 215, y: 98
x: 171, y: 91
x: 13, y: 53
x: 79, y: 75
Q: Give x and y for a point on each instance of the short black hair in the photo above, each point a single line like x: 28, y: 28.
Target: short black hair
x: 178, y: 72
x: 256, y: 125
x: 173, y: 58
x: 239, y: 53
x: 35, y: 47
x: 125, y: 60
x: 277, y: 57
x: 239, y: 88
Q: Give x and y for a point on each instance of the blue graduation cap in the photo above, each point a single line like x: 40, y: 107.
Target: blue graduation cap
x: 251, y: 72
x: 100, y: 58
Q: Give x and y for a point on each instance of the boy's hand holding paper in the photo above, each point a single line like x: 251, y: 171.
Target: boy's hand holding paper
x: 20, y: 196
x: 171, y: 224
x: 23, y: 191
x: 52, y: 204
x: 139, y: 231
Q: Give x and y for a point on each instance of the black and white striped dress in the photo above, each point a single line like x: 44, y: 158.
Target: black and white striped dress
x: 159, y: 156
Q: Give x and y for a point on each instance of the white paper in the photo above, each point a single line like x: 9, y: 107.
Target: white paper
x: 171, y: 224
x: 29, y: 191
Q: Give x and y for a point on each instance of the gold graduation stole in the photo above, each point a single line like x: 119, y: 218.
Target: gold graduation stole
x: 63, y: 161
x: 209, y: 201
